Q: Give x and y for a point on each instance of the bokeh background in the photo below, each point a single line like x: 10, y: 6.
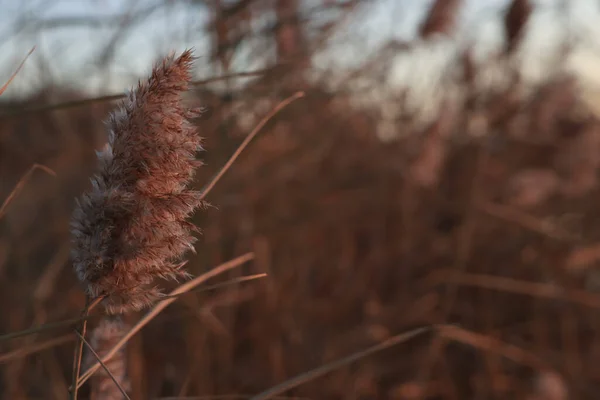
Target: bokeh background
x: 441, y: 169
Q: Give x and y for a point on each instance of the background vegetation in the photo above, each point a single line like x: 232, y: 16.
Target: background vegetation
x: 441, y: 169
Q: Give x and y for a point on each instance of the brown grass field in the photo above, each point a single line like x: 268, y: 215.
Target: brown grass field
x: 480, y: 225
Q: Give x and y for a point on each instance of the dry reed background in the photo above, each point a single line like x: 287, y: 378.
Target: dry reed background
x: 483, y: 217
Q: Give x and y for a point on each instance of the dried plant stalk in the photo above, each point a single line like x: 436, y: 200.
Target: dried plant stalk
x: 130, y: 230
x: 104, y: 387
x: 14, y: 75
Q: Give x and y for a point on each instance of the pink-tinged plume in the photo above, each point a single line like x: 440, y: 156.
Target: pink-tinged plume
x: 131, y: 228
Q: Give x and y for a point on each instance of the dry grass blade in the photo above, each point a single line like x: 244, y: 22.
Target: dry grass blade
x: 12, y: 77
x: 42, y: 328
x: 79, y: 347
x: 509, y: 285
x: 114, y: 97
x: 582, y: 257
x: 26, y: 351
x: 46, y: 283
x: 322, y: 370
x: 221, y: 285
x: 247, y: 141
x: 230, y: 397
x: 488, y: 343
x: 70, y: 322
x: 91, y: 349
x: 21, y: 184
x: 525, y: 220
x: 161, y: 306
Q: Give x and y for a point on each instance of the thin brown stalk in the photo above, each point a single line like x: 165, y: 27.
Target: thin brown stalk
x: 510, y: 285
x: 91, y: 349
x: 491, y: 344
x: 247, y: 141
x: 525, y: 220
x: 42, y: 328
x: 36, y: 348
x: 327, y: 368
x: 186, y: 287
x: 19, y: 186
x: 115, y: 97
x: 230, y: 397
x: 221, y: 285
x: 46, y: 284
x: 12, y: 77
x: 463, y: 253
x: 79, y: 347
x: 73, y: 321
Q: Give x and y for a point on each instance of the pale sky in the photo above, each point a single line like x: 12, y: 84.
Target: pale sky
x: 69, y: 55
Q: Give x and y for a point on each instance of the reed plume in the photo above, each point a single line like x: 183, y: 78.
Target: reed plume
x: 440, y: 19
x: 130, y: 230
x: 515, y: 21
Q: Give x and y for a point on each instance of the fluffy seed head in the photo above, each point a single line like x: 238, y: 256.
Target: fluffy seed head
x: 130, y: 229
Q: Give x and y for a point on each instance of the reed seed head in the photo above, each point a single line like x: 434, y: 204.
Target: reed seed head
x: 130, y: 229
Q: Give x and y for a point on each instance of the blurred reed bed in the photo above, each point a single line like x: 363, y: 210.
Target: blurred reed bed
x: 480, y: 213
